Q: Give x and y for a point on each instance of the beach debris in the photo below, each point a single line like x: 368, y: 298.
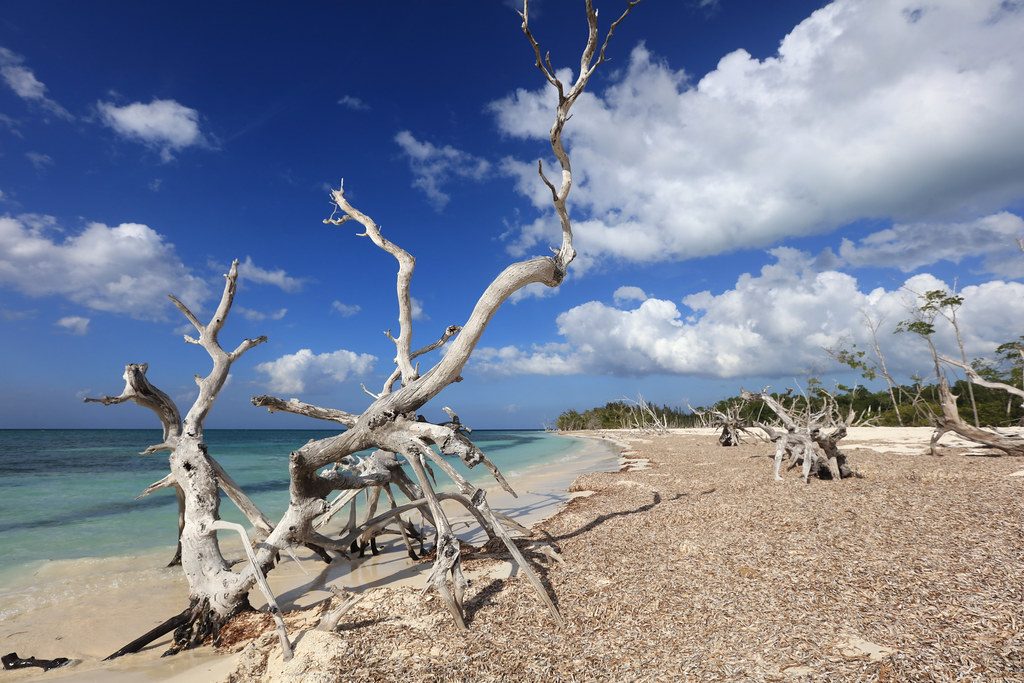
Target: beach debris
x: 805, y: 441
x: 928, y: 569
x: 329, y: 621
x: 730, y: 420
x: 391, y: 427
x: 13, y: 661
x: 950, y: 421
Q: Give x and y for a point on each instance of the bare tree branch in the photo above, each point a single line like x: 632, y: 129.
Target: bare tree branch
x: 138, y: 389
x: 975, y: 378
x: 390, y: 424
x: 297, y: 407
x: 406, y: 265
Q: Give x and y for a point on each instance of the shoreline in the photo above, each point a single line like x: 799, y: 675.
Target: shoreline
x: 63, y: 608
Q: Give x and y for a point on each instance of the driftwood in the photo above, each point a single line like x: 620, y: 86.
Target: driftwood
x: 11, y: 660
x: 390, y: 424
x: 732, y: 424
x: 950, y: 420
x: 805, y: 441
x: 642, y: 417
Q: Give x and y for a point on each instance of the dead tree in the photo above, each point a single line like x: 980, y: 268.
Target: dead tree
x: 642, y: 416
x: 701, y: 418
x: 857, y: 359
x: 805, y: 440
x: 883, y: 369
x: 391, y: 424
x: 950, y: 420
x: 732, y: 423
x: 940, y: 302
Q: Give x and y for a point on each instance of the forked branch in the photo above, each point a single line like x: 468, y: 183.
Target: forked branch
x: 406, y: 265
x: 138, y: 389
x: 566, y: 98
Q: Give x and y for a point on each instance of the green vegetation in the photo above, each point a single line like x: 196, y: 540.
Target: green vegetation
x: 995, y: 408
x: 617, y: 415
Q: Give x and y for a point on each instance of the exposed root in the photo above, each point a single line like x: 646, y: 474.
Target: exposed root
x: 201, y: 624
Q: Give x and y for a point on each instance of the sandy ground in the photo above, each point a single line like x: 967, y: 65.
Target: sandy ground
x: 693, y: 564
x: 85, y: 609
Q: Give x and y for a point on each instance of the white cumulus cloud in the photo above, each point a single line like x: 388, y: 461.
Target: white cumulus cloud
x: 305, y: 371
x: 129, y: 268
x: 866, y: 111
x: 628, y: 293
x: 417, y: 309
x: 248, y: 270
x: 257, y: 316
x: 75, y: 324
x: 345, y: 310
x: 775, y: 323
x: 433, y: 167
x: 909, y: 246
x: 165, y: 125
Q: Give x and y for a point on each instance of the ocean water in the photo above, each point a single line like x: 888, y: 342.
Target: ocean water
x: 71, y: 493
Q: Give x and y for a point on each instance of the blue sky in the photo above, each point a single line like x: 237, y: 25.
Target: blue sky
x: 751, y: 177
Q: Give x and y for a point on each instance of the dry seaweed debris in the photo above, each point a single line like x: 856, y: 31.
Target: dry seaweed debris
x: 702, y: 568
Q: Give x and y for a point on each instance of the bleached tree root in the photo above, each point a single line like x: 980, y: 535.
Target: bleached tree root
x: 330, y: 620
x: 391, y: 424
x: 731, y: 422
x: 804, y: 442
x: 479, y: 502
x: 447, y: 556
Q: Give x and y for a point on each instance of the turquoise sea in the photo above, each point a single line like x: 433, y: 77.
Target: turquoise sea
x: 68, y: 493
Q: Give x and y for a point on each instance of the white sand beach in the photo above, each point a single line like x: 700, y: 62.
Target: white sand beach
x: 53, y: 612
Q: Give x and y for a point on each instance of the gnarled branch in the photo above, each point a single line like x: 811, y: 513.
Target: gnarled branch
x: 975, y: 378
x: 406, y: 265
x: 138, y: 389
x: 297, y: 407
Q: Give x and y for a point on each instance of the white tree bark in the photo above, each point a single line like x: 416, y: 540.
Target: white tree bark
x: 950, y: 420
x: 804, y: 438
x: 390, y: 423
x: 883, y: 369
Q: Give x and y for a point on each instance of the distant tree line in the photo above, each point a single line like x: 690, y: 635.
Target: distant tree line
x: 917, y: 403
x: 620, y: 415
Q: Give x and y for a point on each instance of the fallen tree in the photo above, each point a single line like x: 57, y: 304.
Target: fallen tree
x: 390, y: 424
x: 804, y: 440
x: 729, y: 420
x: 939, y: 302
x: 950, y: 420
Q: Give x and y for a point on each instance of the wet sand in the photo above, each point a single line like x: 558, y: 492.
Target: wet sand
x: 87, y: 608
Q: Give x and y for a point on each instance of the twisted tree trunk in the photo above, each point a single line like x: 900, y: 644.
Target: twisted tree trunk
x: 950, y: 420
x: 390, y: 424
